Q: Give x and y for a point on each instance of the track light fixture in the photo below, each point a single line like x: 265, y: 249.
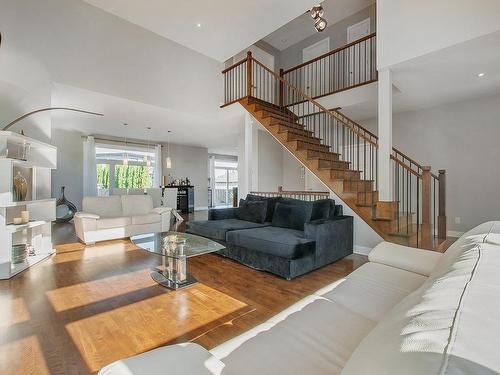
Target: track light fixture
x: 317, y: 13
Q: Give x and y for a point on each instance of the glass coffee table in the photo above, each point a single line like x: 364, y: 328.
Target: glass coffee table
x: 174, y: 248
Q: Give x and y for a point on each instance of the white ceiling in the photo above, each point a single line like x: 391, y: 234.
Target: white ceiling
x: 445, y: 76
x: 227, y: 26
x: 303, y: 26
x: 215, y: 133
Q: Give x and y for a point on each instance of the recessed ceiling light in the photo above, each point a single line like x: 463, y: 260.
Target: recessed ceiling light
x: 480, y: 74
x: 198, y: 25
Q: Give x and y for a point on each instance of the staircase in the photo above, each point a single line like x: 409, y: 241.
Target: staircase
x: 344, y: 156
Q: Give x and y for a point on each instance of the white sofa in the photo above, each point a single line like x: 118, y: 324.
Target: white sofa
x: 406, y: 311
x: 106, y: 218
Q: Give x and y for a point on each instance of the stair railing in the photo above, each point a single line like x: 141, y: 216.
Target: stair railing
x: 341, y: 69
x: 343, y: 142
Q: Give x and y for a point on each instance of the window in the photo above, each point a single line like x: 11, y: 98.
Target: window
x: 226, y: 179
x: 123, y: 168
x: 133, y: 177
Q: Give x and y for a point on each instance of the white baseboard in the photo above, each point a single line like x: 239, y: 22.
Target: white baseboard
x: 362, y: 250
x: 201, y: 208
x: 454, y: 233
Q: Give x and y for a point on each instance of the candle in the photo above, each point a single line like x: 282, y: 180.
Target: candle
x: 17, y: 220
x: 25, y: 216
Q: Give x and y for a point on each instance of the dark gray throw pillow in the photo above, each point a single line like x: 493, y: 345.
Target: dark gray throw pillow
x: 254, y: 211
x: 271, y: 203
x: 322, y: 209
x: 291, y: 216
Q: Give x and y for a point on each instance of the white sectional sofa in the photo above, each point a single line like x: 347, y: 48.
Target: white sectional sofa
x: 106, y: 218
x: 406, y: 311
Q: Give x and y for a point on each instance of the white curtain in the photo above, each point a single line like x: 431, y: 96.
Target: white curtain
x: 157, y: 175
x: 89, y: 168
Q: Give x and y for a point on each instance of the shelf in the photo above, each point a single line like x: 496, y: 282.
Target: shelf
x: 24, y: 203
x: 32, y: 224
x: 30, y: 261
x: 18, y: 139
x: 25, y: 163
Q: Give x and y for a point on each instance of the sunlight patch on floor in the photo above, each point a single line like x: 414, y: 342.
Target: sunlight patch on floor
x: 90, y: 292
x: 75, y: 252
x: 150, y: 323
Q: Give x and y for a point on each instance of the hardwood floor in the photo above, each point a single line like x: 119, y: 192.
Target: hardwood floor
x: 87, y: 306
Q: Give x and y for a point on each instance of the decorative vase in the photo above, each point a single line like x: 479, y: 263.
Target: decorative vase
x: 62, y: 202
x: 20, y: 187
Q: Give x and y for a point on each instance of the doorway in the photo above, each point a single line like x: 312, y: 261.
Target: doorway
x: 313, y: 86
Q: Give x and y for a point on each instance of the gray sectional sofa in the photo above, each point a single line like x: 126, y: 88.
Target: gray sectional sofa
x: 287, y: 237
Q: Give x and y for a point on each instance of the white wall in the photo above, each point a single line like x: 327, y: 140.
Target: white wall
x: 461, y: 138
x: 411, y: 28
x: 69, y: 170
x: 270, y: 159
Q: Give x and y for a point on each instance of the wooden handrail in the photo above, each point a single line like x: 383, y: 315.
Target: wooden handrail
x: 337, y: 50
x: 334, y: 114
x: 235, y: 65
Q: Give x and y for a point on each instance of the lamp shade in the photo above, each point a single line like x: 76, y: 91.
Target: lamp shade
x: 168, y: 162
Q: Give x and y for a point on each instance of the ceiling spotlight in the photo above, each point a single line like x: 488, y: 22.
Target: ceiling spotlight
x: 198, y: 25
x: 316, y: 12
x: 320, y: 24
x: 480, y: 74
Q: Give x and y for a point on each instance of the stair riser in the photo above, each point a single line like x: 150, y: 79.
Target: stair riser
x: 283, y: 129
x: 299, y: 145
x: 322, y: 163
x: 277, y: 111
x: 345, y: 175
x: 327, y: 156
x: 266, y: 114
x: 298, y: 137
x: 357, y: 186
x: 367, y: 198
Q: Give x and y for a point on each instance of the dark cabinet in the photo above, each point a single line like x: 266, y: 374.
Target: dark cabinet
x: 185, y: 199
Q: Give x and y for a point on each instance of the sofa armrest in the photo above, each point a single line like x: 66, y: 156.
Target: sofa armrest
x: 405, y: 258
x: 181, y: 359
x: 161, y: 210
x: 333, y: 236
x: 86, y: 215
x: 222, y: 213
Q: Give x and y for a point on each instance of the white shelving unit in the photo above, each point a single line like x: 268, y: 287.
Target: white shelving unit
x: 41, y: 159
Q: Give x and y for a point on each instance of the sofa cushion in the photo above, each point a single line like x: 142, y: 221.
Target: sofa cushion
x: 283, y: 242
x: 103, y: 206
x: 217, y: 229
x: 322, y: 209
x: 146, y: 219
x: 292, y: 216
x: 136, y: 204
x: 374, y: 289
x: 447, y: 326
x: 113, y: 222
x: 254, y: 211
x: 271, y: 203
x: 317, y: 339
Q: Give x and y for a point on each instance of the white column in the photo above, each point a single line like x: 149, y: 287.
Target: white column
x: 384, y: 134
x: 246, y: 159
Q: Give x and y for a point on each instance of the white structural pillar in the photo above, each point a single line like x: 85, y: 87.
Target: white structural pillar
x: 384, y: 134
x: 248, y: 158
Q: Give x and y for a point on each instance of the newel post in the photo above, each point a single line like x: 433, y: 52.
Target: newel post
x: 426, y: 206
x: 442, y: 230
x: 282, y: 88
x: 249, y: 74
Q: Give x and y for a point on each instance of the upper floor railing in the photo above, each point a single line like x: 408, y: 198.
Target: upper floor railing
x: 419, y: 193
x: 344, y: 68
x: 305, y: 195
